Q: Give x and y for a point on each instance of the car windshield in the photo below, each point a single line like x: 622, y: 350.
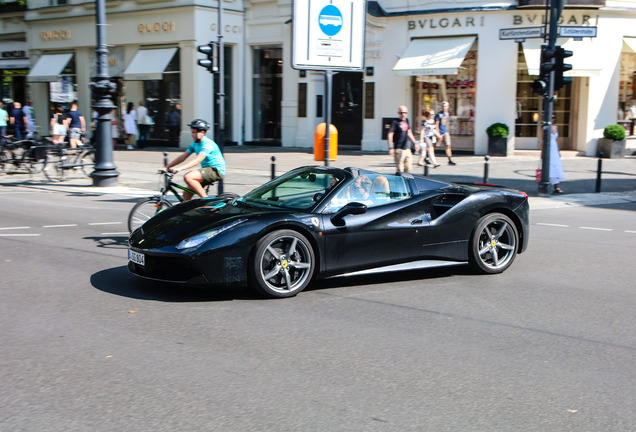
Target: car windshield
x: 299, y: 189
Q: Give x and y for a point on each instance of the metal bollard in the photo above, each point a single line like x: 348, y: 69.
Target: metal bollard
x: 486, y: 168
x: 426, y: 170
x: 273, y: 167
x: 599, y: 170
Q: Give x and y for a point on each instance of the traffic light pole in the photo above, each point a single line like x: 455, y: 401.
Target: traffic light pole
x: 548, y: 101
x: 220, y: 138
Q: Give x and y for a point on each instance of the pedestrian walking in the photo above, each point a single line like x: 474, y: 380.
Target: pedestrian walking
x: 30, y: 119
x: 57, y: 126
x: 401, y: 141
x: 174, y: 122
x: 427, y: 133
x: 130, y: 125
x: 556, y: 166
x: 4, y: 120
x: 17, y: 120
x: 144, y: 122
x: 76, y: 125
x: 442, y: 122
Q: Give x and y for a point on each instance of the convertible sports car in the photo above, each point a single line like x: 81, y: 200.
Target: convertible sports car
x: 314, y: 222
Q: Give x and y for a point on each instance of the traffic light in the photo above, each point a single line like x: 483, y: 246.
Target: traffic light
x: 540, y: 85
x: 560, y: 67
x: 210, y: 63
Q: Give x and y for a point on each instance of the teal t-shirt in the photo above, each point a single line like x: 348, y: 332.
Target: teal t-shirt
x: 214, y: 157
x: 3, y: 117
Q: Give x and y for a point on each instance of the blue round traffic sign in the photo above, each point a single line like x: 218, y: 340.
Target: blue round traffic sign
x: 330, y: 20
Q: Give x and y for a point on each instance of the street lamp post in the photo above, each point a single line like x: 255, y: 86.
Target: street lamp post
x: 105, y: 173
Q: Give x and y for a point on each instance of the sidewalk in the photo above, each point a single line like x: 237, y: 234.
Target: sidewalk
x: 250, y: 166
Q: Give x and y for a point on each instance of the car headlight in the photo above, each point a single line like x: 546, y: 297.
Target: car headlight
x: 196, y: 240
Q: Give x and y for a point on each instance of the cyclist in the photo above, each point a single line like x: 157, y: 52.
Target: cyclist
x: 207, y: 154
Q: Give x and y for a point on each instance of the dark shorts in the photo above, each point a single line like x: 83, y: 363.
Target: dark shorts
x: 210, y: 175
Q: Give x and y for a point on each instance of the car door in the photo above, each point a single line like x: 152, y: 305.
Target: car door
x: 386, y: 233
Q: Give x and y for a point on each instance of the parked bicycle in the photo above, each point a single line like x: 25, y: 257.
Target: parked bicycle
x: 28, y: 155
x: 62, y: 159
x: 150, y: 206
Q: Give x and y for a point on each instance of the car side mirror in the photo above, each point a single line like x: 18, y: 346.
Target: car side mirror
x: 352, y: 208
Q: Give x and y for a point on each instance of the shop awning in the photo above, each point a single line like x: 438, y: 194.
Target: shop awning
x: 631, y: 43
x: 434, y: 56
x: 49, y: 67
x: 149, y: 64
x: 586, y: 59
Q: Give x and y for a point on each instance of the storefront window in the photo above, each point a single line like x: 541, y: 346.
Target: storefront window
x: 64, y: 91
x: 458, y: 90
x: 529, y: 109
x: 163, y: 100
x: 268, y: 93
x: 13, y: 85
x: 627, y: 93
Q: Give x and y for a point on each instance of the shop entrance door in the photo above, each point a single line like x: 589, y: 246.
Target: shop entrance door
x: 346, y: 109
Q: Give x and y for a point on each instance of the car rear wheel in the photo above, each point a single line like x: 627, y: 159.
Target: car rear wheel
x: 283, y: 264
x: 494, y: 243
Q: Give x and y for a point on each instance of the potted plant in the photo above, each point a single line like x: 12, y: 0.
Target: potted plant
x: 612, y: 145
x: 498, y: 139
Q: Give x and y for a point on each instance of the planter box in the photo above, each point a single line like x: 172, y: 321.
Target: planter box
x: 498, y: 146
x: 611, y: 149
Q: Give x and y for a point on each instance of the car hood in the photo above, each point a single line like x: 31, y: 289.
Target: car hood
x: 180, y: 222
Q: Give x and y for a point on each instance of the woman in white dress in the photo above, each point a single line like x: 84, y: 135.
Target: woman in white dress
x: 130, y: 124
x: 556, y: 167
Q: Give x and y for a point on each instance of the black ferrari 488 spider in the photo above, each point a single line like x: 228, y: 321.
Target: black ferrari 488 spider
x: 314, y: 222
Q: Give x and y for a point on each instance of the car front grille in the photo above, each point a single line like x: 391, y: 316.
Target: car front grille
x: 172, y: 269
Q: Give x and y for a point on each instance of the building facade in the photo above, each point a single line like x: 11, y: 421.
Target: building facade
x: 418, y: 53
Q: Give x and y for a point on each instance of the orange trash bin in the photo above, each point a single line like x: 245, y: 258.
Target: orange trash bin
x: 319, y: 142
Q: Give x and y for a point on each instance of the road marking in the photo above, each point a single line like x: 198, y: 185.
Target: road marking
x: 19, y: 235
x: 630, y: 232
x: 596, y: 228
x: 59, y: 226
x: 104, y: 223
x: 554, y: 225
x: 12, y: 228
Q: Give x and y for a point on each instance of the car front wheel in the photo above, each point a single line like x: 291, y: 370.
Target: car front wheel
x: 494, y: 243
x: 283, y: 264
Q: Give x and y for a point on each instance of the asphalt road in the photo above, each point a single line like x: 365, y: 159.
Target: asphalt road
x: 547, y: 346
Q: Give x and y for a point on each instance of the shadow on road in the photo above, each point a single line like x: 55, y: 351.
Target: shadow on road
x: 119, y: 281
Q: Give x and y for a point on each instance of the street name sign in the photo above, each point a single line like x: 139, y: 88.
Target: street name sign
x: 521, y: 33
x: 328, y: 34
x: 577, y: 32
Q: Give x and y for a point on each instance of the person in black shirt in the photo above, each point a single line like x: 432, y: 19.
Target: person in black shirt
x: 401, y: 141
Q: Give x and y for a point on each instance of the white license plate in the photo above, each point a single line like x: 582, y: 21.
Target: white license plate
x: 136, y: 257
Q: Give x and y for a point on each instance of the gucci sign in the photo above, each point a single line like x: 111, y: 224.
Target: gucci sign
x: 158, y: 27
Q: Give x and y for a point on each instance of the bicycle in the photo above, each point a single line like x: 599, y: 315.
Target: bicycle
x: 80, y: 158
x: 150, y: 206
x: 24, y: 154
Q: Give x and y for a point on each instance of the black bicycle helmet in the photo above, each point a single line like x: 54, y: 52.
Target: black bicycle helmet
x: 200, y: 125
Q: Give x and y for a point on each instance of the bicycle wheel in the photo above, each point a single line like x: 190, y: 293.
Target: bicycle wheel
x: 53, y: 168
x: 144, y: 210
x: 38, y: 156
x: 87, y: 161
x: 4, y: 161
